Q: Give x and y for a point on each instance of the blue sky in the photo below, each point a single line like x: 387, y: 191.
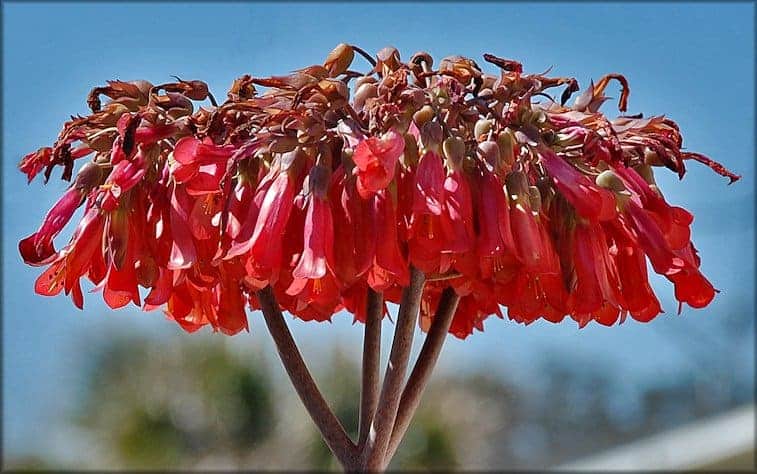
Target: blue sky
x: 692, y: 62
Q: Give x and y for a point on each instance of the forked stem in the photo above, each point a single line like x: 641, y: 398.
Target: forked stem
x: 423, y: 368
x: 384, y: 416
x: 394, y: 378
x: 328, y: 424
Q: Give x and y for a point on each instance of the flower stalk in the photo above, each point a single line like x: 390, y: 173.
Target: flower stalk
x: 394, y: 377
x: 369, y: 392
x: 328, y: 424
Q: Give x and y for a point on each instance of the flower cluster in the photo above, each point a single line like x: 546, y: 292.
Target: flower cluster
x: 327, y: 182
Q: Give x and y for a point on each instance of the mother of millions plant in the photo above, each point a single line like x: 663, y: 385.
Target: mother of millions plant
x: 445, y: 189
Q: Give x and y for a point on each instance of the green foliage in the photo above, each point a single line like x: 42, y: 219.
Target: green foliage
x: 155, y: 406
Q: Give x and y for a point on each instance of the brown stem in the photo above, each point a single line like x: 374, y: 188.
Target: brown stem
x: 369, y: 392
x: 331, y: 429
x: 362, y: 53
x: 383, y: 421
x: 425, y: 364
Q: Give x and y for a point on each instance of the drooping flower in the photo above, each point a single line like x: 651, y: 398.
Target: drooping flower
x: 375, y: 160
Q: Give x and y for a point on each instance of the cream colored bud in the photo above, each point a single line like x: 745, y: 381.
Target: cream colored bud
x: 489, y: 151
x: 364, y: 92
x: 482, y: 127
x: 423, y: 115
x: 454, y: 150
x: 505, y: 141
x: 652, y: 158
x: 339, y: 59
x: 517, y: 185
x: 609, y: 180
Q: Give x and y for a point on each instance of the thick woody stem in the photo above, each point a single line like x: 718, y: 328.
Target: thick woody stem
x: 394, y: 378
x: 331, y: 429
x: 369, y: 392
x: 425, y: 364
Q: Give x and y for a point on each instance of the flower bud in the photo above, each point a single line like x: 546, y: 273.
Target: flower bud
x: 196, y: 90
x: 517, y: 185
x: 651, y: 158
x: 609, y: 180
x: 454, y: 151
x: 339, y: 59
x: 431, y: 135
x: 534, y: 198
x: 425, y: 114
x: 364, y: 92
x: 483, y: 126
x: 89, y: 176
x: 505, y: 141
x: 389, y: 59
x: 489, y: 152
x: 410, y: 154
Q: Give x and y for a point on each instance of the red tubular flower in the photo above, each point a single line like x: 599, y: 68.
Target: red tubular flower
x: 590, y: 201
x: 495, y: 244
x: 313, y: 279
x: 534, y: 248
x: 33, y: 163
x: 201, y: 165
x: 275, y: 207
x: 183, y: 249
x: 597, y: 293
x: 468, y: 317
x: 319, y: 239
x: 375, y: 160
x: 691, y: 287
x: 426, y: 239
x: 458, y: 204
x: 120, y: 285
x: 38, y: 249
x: 389, y: 266
x: 230, y: 299
x: 243, y: 215
x: 638, y: 296
x: 353, y: 217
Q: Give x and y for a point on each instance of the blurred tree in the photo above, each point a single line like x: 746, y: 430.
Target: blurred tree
x: 170, y: 405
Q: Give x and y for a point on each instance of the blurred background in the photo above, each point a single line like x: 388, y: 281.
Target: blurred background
x: 114, y: 390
